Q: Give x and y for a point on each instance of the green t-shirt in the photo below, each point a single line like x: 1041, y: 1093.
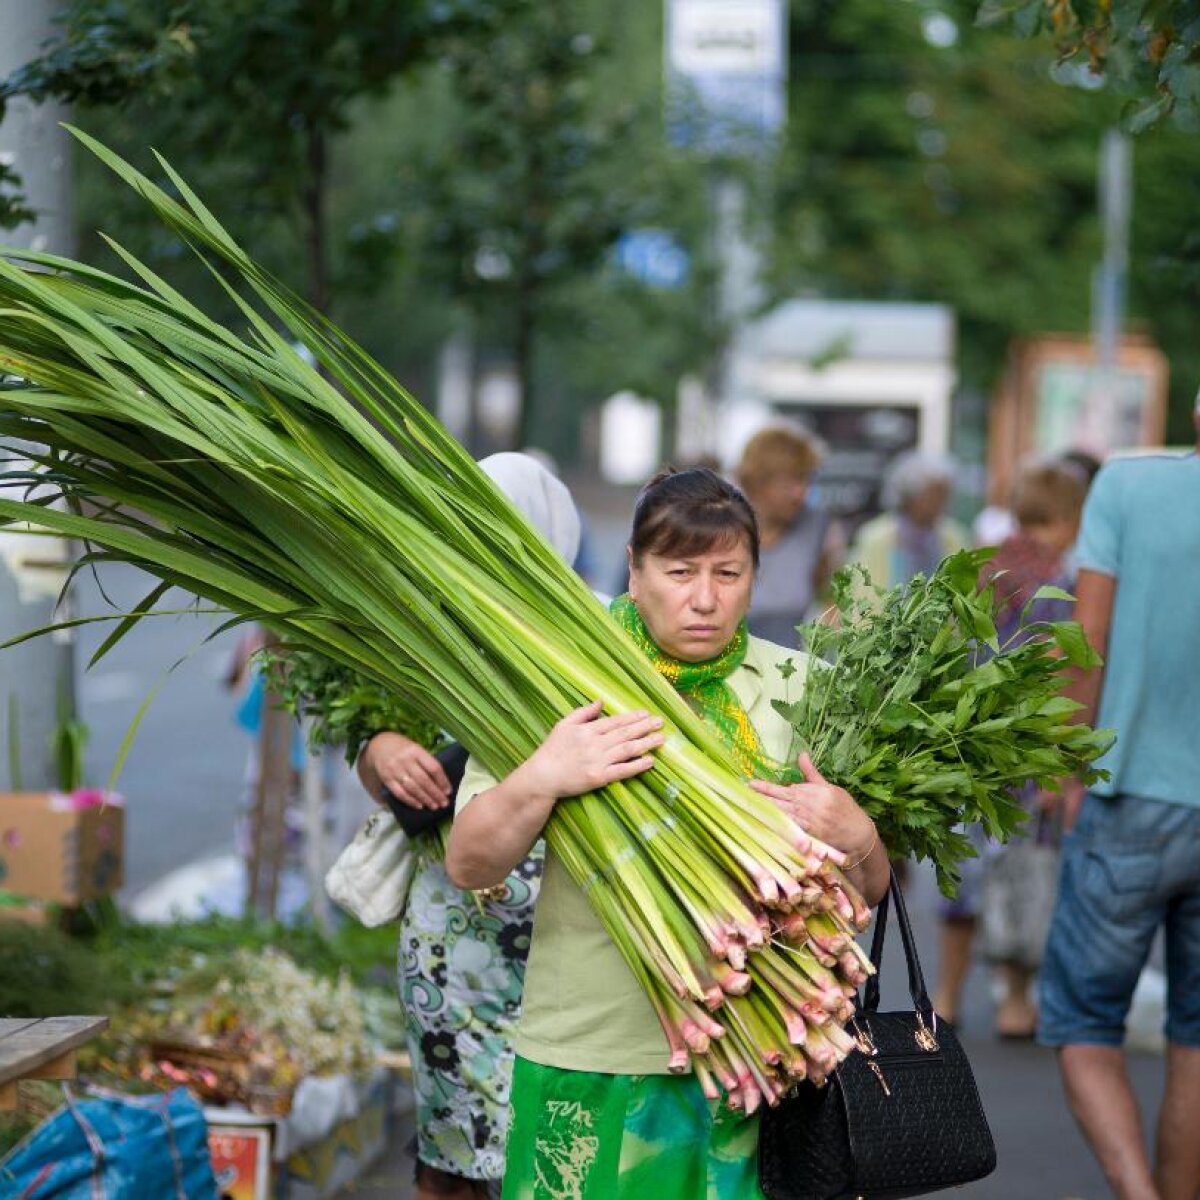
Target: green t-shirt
x: 583, y: 1010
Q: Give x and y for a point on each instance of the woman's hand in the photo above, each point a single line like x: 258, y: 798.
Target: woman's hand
x: 586, y: 751
x: 834, y: 817
x: 404, y: 768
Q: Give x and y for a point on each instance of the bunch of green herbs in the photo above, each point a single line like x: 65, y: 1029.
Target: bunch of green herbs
x: 914, y: 706
x: 340, y: 706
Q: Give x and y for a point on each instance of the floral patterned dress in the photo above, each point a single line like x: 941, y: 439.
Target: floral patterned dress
x: 462, y: 972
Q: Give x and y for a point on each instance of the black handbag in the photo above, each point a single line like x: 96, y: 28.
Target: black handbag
x: 901, y: 1116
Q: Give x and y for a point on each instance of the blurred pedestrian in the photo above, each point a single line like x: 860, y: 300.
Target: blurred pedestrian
x: 1012, y: 887
x: 462, y: 955
x: 914, y: 534
x: 1131, y: 864
x: 797, y: 547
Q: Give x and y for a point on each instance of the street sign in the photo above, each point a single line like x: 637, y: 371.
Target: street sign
x: 654, y: 256
x: 726, y: 66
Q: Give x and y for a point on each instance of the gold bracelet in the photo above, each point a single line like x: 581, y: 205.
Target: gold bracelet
x: 863, y: 859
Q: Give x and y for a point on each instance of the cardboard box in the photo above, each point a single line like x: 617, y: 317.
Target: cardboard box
x: 60, y: 847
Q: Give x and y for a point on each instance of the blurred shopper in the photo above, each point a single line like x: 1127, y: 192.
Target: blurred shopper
x: 1132, y: 862
x: 914, y: 534
x: 797, y: 557
x: 1088, y: 465
x: 462, y: 954
x: 1016, y: 881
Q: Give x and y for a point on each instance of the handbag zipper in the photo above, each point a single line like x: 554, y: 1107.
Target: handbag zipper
x: 909, y: 1059
x: 899, y: 1060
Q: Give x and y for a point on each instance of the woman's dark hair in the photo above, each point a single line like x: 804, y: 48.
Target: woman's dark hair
x: 683, y: 513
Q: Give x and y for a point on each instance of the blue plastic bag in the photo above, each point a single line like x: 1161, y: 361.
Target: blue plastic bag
x: 115, y: 1147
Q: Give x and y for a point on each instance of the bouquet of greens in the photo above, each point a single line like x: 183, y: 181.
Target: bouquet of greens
x: 914, y: 707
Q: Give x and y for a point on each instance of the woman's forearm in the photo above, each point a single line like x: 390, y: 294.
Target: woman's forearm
x: 368, y: 776
x: 496, y: 830
x: 872, y: 874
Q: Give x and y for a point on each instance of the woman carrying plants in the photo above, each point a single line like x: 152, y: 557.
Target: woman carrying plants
x: 597, y: 1115
x: 462, y: 959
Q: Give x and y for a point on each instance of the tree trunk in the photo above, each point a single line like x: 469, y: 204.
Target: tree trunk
x: 314, y: 212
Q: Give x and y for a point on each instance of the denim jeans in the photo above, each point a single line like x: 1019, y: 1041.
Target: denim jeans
x: 1129, y: 866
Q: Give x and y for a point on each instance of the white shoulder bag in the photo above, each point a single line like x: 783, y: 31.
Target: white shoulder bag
x: 372, y: 876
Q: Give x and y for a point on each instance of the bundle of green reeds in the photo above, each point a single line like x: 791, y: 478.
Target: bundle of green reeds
x: 329, y: 506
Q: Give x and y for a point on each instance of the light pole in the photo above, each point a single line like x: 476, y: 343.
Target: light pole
x: 37, y: 681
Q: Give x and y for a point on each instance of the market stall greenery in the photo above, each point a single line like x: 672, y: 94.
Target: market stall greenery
x: 216, y: 980
x: 326, y: 504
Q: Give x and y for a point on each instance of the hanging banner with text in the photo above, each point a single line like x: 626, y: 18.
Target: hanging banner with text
x: 726, y: 70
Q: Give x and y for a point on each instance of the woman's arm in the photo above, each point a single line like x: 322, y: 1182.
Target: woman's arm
x: 832, y: 815
x: 494, y: 830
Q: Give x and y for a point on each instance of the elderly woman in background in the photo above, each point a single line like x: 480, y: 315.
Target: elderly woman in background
x: 914, y: 534
x: 798, y: 543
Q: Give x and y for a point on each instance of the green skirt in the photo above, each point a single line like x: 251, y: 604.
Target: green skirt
x: 581, y: 1135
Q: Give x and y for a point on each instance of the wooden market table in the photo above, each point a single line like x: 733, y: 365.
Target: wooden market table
x: 41, y: 1048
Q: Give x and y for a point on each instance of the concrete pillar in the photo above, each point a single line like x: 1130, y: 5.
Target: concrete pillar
x: 31, y: 141
x: 36, y: 678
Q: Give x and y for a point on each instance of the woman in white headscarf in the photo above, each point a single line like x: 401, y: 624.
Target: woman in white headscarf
x: 462, y: 954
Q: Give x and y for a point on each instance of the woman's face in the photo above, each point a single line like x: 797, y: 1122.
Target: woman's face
x: 780, y: 497
x: 692, y: 606
x: 927, y: 506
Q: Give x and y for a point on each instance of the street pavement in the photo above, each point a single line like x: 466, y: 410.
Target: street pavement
x: 182, y: 779
x: 183, y: 783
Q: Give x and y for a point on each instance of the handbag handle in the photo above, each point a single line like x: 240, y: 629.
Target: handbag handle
x: 916, y: 977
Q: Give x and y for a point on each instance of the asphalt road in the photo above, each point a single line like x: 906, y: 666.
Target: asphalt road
x: 182, y: 778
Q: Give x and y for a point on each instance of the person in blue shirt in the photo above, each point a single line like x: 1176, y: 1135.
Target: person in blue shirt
x: 1131, y: 864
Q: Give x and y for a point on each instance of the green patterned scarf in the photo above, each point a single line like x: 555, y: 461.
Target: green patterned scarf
x: 703, y: 686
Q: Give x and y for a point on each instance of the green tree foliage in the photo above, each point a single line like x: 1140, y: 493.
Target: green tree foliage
x: 550, y: 146
x: 14, y: 208
x: 411, y: 166
x: 1149, y: 48
x: 245, y: 95
x: 930, y: 159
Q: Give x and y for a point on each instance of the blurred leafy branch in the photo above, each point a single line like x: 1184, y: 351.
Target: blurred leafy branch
x: 1149, y: 48
x: 482, y: 155
x: 929, y: 158
x: 343, y: 708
